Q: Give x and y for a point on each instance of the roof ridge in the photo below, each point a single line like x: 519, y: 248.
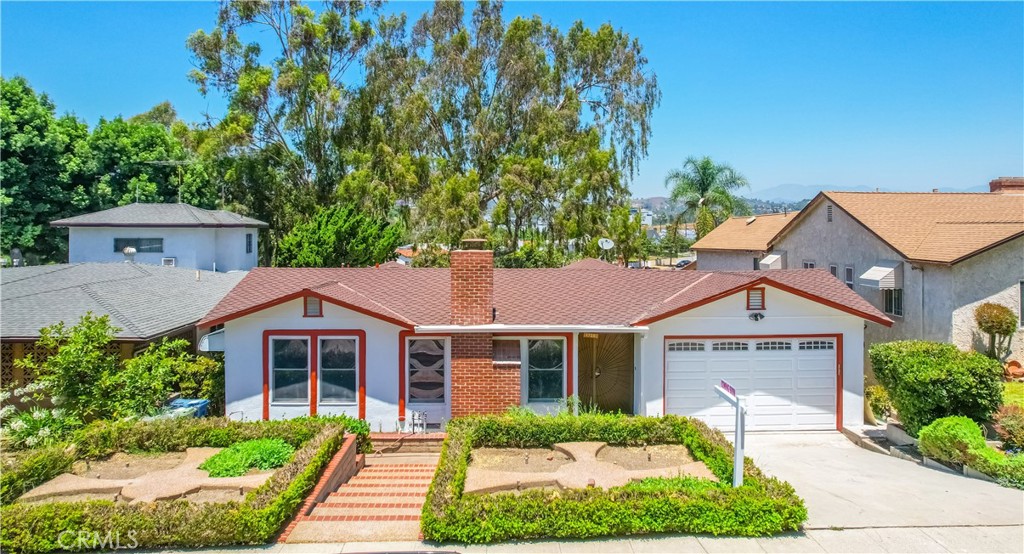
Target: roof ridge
x: 191, y: 211
x: 78, y: 286
x: 87, y: 288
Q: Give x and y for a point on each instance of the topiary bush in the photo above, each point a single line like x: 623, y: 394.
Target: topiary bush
x: 239, y: 458
x: 959, y: 440
x: 930, y: 380
x: 998, y: 322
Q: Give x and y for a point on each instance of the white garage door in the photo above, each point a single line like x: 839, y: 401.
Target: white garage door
x: 790, y: 384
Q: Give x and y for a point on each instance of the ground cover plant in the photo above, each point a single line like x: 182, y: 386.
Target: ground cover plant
x: 45, y: 527
x: 1013, y: 393
x: 762, y: 506
x: 930, y: 380
x: 959, y: 440
x: 239, y: 458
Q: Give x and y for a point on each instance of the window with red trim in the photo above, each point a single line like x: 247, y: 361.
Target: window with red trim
x: 312, y: 307
x: 755, y: 299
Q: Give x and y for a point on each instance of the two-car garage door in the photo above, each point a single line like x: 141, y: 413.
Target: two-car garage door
x: 789, y: 383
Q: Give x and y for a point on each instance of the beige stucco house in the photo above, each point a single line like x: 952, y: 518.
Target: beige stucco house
x: 927, y: 260
x: 739, y: 243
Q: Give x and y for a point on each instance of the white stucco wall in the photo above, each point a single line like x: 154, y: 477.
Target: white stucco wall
x: 192, y: 247
x: 231, y: 254
x: 786, y: 314
x: 720, y: 260
x: 243, y: 362
x: 992, y: 276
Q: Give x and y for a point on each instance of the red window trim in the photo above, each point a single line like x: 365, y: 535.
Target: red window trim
x: 839, y: 363
x: 763, y: 302
x: 305, y: 306
x: 314, y: 364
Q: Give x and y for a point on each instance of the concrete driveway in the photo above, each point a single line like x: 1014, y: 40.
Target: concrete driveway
x: 846, y: 486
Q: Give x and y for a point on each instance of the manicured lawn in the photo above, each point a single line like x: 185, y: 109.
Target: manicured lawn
x: 1013, y: 393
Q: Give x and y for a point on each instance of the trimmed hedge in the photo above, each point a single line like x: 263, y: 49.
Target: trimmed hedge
x: 960, y: 440
x: 762, y: 506
x: 929, y: 380
x: 33, y: 527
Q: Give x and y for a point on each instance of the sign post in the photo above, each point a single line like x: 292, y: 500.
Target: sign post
x: 728, y: 393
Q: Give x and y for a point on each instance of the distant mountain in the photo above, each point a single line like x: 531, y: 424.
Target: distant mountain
x: 795, y: 193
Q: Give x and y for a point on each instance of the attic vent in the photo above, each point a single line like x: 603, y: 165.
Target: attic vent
x: 828, y: 213
x: 751, y: 219
x: 168, y: 262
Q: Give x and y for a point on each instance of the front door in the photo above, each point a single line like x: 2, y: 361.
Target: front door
x: 606, y: 371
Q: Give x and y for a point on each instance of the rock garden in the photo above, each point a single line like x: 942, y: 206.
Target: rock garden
x: 523, y: 476
x: 167, y: 483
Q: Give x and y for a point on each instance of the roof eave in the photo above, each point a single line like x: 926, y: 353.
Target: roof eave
x: 875, y: 318
x: 296, y: 295
x: 162, y: 225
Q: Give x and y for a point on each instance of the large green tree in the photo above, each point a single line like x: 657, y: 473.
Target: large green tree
x: 340, y: 235
x: 39, y: 159
x: 705, y: 189
x: 547, y: 120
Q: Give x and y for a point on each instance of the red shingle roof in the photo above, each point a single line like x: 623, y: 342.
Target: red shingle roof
x: 596, y: 295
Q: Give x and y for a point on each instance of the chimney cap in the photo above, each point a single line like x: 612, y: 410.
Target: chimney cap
x: 1007, y: 185
x: 474, y: 244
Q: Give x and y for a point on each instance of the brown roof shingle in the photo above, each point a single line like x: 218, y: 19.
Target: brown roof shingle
x: 932, y: 226
x: 739, y: 233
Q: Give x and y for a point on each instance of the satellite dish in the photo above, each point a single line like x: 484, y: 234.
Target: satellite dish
x: 606, y: 244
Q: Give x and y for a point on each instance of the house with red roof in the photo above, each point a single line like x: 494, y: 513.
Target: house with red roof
x: 394, y: 344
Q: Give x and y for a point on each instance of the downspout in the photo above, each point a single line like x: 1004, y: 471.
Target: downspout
x: 922, y: 302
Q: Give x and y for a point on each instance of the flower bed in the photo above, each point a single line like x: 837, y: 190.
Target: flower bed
x: 60, y: 525
x: 762, y: 506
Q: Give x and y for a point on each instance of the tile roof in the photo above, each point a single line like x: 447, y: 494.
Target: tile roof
x: 159, y: 215
x: 564, y: 296
x: 933, y: 226
x: 740, y: 233
x: 145, y: 301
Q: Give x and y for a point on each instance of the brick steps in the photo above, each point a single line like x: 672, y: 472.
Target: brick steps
x: 382, y: 502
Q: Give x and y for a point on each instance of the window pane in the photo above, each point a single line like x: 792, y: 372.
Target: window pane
x: 545, y: 385
x: 426, y: 370
x: 337, y: 385
x: 338, y: 354
x: 291, y: 354
x: 545, y: 354
x: 291, y: 385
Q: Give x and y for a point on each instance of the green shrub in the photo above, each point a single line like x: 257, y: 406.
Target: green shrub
x: 761, y: 506
x: 23, y: 471
x: 239, y: 458
x: 37, y: 527
x: 960, y: 440
x: 1009, y: 425
x: 950, y: 439
x: 878, y: 401
x: 928, y: 380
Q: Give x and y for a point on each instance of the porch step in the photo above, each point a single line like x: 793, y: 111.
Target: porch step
x: 405, y: 443
x: 382, y: 502
x: 377, y: 511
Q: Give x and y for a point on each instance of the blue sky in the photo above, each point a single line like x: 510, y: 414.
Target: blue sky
x: 902, y: 96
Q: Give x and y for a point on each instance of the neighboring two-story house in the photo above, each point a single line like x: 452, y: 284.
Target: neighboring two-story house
x: 927, y: 260
x: 177, y: 235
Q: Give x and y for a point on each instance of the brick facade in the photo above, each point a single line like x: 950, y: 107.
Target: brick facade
x: 478, y: 386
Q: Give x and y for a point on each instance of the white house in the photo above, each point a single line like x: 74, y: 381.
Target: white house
x: 927, y: 259
x: 177, y: 235
x: 385, y: 344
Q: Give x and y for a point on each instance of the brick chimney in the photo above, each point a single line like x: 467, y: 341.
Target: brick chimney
x: 472, y: 284
x: 479, y: 386
x: 1007, y: 185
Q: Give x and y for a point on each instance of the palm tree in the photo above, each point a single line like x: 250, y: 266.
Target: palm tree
x: 705, y: 189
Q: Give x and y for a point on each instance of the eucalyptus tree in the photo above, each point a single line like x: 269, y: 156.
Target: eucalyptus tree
x: 705, y: 189
x: 526, y: 108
